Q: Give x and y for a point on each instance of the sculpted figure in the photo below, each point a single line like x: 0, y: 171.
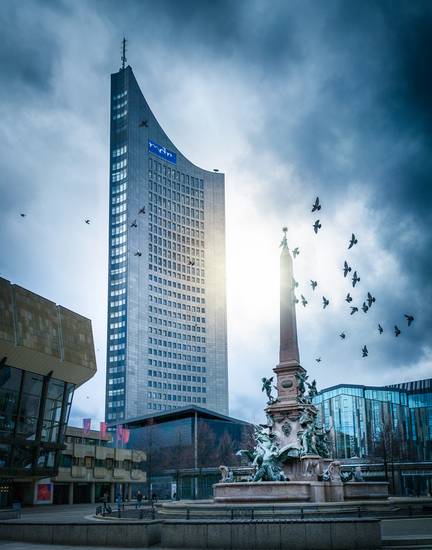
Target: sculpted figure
x: 267, y: 387
x: 227, y: 475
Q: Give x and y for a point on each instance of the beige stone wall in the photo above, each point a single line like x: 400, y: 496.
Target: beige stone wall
x: 39, y: 336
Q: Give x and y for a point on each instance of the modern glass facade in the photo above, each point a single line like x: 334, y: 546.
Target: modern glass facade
x: 34, y: 411
x: 392, y: 423
x: 185, y: 447
x: 166, y: 343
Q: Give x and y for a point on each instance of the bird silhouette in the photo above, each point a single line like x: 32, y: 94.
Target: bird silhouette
x: 370, y: 299
x: 409, y: 318
x: 134, y: 224
x: 191, y: 262
x: 364, y: 307
x: 397, y: 331
x: 144, y: 124
x: 348, y: 298
x: 355, y: 279
x: 325, y: 302
x: 314, y: 284
x: 317, y: 226
x: 316, y: 206
x: 295, y: 299
x: 318, y: 359
x: 295, y: 283
x: 87, y: 222
x: 142, y: 211
x: 342, y: 335
x: 380, y: 329
x: 22, y: 215
x: 353, y: 241
x: 346, y: 269
x: 296, y: 251
x: 303, y: 300
x: 138, y: 253
x: 353, y: 310
x: 365, y: 351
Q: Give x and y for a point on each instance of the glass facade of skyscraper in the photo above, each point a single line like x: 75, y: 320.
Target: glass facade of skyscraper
x: 166, y: 343
x: 391, y: 423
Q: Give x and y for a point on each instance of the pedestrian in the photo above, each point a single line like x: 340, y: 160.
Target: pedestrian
x: 104, y: 500
x: 139, y: 497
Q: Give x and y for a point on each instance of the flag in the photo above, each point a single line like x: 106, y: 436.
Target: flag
x: 86, y: 425
x: 119, y: 433
x: 103, y: 429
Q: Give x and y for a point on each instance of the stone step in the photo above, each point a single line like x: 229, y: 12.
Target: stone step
x: 408, y: 541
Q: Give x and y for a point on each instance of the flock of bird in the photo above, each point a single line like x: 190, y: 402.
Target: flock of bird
x: 355, y: 279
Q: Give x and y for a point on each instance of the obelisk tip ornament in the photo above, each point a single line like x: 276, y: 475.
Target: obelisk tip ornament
x: 288, y: 351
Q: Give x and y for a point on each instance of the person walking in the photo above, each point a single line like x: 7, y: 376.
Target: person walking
x: 104, y: 500
x: 139, y: 497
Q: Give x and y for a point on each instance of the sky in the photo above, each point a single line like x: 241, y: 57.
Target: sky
x: 291, y: 100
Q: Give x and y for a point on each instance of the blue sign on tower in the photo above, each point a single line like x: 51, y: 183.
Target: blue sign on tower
x: 162, y: 152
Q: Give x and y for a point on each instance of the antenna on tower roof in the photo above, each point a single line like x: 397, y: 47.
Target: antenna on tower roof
x: 123, y: 58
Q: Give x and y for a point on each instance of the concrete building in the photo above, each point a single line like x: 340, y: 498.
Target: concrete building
x: 46, y: 351
x: 166, y: 334
x: 388, y: 429
x: 91, y: 466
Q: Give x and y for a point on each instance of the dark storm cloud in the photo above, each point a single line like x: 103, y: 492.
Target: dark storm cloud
x: 29, y: 51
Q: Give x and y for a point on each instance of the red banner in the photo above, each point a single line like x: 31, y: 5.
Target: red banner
x: 86, y: 425
x: 126, y: 435
x: 103, y: 429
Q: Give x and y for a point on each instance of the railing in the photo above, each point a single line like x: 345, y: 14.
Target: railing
x: 127, y: 511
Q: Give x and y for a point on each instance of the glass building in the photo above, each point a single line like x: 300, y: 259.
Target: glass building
x: 167, y: 342
x: 185, y: 448
x: 388, y: 430
x: 45, y: 352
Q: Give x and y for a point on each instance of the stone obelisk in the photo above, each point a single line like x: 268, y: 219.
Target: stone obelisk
x: 289, y: 357
x: 292, y: 413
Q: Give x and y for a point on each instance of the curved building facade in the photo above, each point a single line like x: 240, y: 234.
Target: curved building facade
x: 167, y: 336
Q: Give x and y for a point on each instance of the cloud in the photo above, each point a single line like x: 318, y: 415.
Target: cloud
x: 290, y: 100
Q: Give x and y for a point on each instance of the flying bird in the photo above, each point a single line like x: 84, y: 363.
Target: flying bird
x: 348, y: 298
x: 380, y: 329
x: 346, y: 269
x: 317, y: 226
x: 370, y: 299
x: 22, y: 215
x: 295, y: 283
x: 325, y: 302
x: 142, y: 211
x: 296, y: 252
x: 134, y: 224
x: 397, y: 331
x: 353, y: 241
x: 314, y: 284
x: 316, y: 206
x: 364, y: 307
x: 191, y: 262
x: 353, y: 310
x: 318, y: 359
x: 144, y: 124
x: 355, y: 279
x: 87, y: 222
x: 365, y: 351
x: 295, y: 299
x: 303, y: 300
x: 342, y: 335
x: 409, y: 318
x: 138, y: 253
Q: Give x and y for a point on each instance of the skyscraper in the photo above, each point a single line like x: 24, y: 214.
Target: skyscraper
x: 166, y: 336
